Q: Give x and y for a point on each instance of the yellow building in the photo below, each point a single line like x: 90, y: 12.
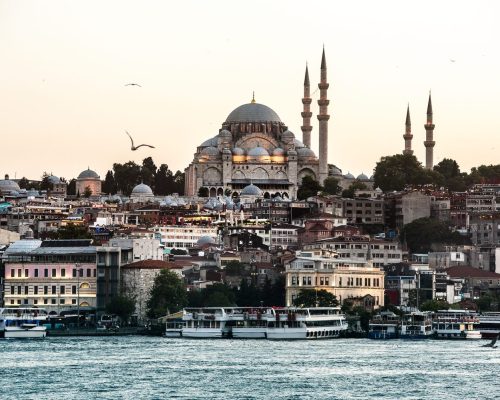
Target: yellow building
x: 344, y: 278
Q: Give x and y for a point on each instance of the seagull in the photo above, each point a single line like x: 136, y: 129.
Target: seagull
x: 452, y: 60
x: 133, y: 84
x: 133, y: 148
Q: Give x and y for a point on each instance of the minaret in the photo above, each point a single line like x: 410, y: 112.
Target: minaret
x: 429, y: 142
x: 408, y: 136
x: 306, y: 114
x: 323, y: 118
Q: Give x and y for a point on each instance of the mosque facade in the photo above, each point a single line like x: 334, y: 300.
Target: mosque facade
x: 255, y: 147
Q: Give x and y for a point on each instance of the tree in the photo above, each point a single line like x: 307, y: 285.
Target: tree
x: 71, y: 190
x: 434, y: 305
x: 397, y: 171
x: 247, y: 295
x: 203, y: 192
x: 163, y: 180
x: 46, y: 184
x: 308, y: 188
x: 109, y: 185
x: 331, y: 185
x: 87, y: 192
x: 234, y: 268
x: 168, y: 295
x: 218, y: 299
x: 315, y: 298
x: 179, y: 179
x: 148, y: 172
x: 353, y: 187
x: 122, y: 306
x: 423, y: 232
x: 448, y: 168
x: 24, y: 183
x: 70, y: 231
x: 126, y: 176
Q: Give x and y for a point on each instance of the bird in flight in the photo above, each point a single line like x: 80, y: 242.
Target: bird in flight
x: 133, y: 84
x: 452, y: 60
x: 133, y: 148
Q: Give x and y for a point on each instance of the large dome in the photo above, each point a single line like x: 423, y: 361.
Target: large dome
x: 251, y: 190
x: 253, y: 112
x: 88, y: 174
x: 7, y: 185
x: 142, y: 190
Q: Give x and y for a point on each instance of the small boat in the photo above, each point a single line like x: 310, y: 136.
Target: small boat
x: 23, y: 323
x: 416, y: 325
x: 384, y: 325
x: 456, y: 324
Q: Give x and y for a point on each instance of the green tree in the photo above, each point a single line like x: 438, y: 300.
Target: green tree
x: 122, y: 306
x: 218, y: 299
x: 331, y: 185
x: 168, y: 295
x: 203, y: 192
x: 423, y: 232
x: 234, y: 268
x: 148, y: 172
x: 46, y: 184
x: 308, y: 188
x: 247, y: 295
x: 87, y: 192
x: 179, y: 179
x: 109, y: 185
x: 486, y: 302
x: 126, y: 176
x: 397, y: 171
x: 70, y: 231
x: 163, y: 180
x: 71, y: 190
x: 24, y: 183
x: 315, y: 298
x: 353, y: 187
x: 434, y: 305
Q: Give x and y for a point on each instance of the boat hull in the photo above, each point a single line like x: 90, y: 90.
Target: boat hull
x: 15, y: 332
x: 382, y: 335
x: 202, y: 333
x: 249, y: 333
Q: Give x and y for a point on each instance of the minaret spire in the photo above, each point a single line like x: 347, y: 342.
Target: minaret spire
x: 408, y: 136
x: 323, y: 118
x: 429, y: 139
x: 306, y: 113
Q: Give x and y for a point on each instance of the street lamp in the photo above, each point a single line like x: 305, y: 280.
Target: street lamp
x: 78, y: 269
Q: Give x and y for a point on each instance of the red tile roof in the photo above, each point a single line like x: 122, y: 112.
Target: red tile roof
x: 470, y: 272
x: 157, y: 264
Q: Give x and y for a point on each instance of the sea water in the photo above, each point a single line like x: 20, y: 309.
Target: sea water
x: 136, y: 367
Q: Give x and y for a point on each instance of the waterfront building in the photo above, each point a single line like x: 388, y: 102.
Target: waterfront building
x: 344, y: 278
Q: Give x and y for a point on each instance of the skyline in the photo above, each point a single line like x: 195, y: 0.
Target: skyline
x: 66, y: 66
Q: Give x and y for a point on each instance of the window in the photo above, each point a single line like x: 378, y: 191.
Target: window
x: 53, y: 272
x: 62, y: 301
x: 54, y: 289
x: 35, y: 302
x: 62, y: 289
x: 26, y: 274
x: 35, y: 289
x: 45, y: 272
x: 12, y: 290
x: 63, y: 273
x: 321, y: 281
x: 19, y: 290
x: 19, y: 273
x: 89, y: 272
x: 26, y: 290
x: 73, y: 301
x: 73, y: 289
x: 53, y: 301
x: 12, y: 273
x: 45, y: 290
x: 36, y: 272
x: 45, y: 301
x: 81, y: 272
x: 327, y: 281
x: 74, y: 272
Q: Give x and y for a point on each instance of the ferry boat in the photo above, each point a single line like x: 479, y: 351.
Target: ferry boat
x: 249, y: 322
x: 416, y: 325
x: 489, y: 325
x: 206, y: 322
x: 384, y: 325
x: 22, y: 323
x: 456, y: 324
x: 306, y: 323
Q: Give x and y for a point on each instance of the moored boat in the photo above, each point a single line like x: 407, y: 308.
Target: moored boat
x: 455, y: 324
x: 416, y: 325
x: 22, y: 323
x: 206, y: 322
x: 384, y: 325
x: 489, y: 325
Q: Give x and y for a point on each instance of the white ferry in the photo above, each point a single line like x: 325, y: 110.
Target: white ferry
x: 416, y: 325
x: 489, y: 325
x: 384, y: 325
x: 22, y: 323
x: 456, y: 324
x: 206, y: 322
x: 249, y: 322
x: 306, y: 323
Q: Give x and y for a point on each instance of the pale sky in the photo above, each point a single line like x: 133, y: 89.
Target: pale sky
x: 64, y: 64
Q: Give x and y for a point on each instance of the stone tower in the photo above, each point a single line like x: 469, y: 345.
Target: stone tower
x: 408, y: 136
x: 306, y: 113
x: 323, y: 118
x: 429, y: 142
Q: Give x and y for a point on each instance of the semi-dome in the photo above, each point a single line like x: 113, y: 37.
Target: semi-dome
x: 349, y: 176
x: 334, y: 170
x: 53, y: 179
x: 225, y: 133
x: 278, y: 151
x: 238, y: 151
x: 210, y: 142
x: 362, y: 177
x: 287, y: 135
x: 253, y: 112
x: 305, y: 152
x: 7, y: 185
x: 251, y: 190
x: 298, y: 144
x: 142, y: 190
x: 258, y: 152
x: 88, y: 174
x: 210, y: 151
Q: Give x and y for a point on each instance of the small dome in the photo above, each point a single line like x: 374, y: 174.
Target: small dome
x: 205, y: 241
x: 142, y: 190
x: 238, y: 151
x: 7, y: 185
x: 258, y: 152
x: 305, y: 152
x: 251, y: 190
x: 287, y: 135
x: 210, y: 142
x: 225, y: 134
x: 253, y: 112
x: 298, y: 144
x: 226, y: 150
x: 53, y: 179
x: 349, y: 176
x: 88, y: 174
x: 278, y: 151
x: 362, y: 177
x: 292, y: 152
x: 334, y: 170
x: 210, y: 151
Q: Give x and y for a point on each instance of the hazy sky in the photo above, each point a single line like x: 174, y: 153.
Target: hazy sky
x: 64, y: 64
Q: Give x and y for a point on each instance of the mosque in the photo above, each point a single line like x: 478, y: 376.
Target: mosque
x: 255, y: 151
